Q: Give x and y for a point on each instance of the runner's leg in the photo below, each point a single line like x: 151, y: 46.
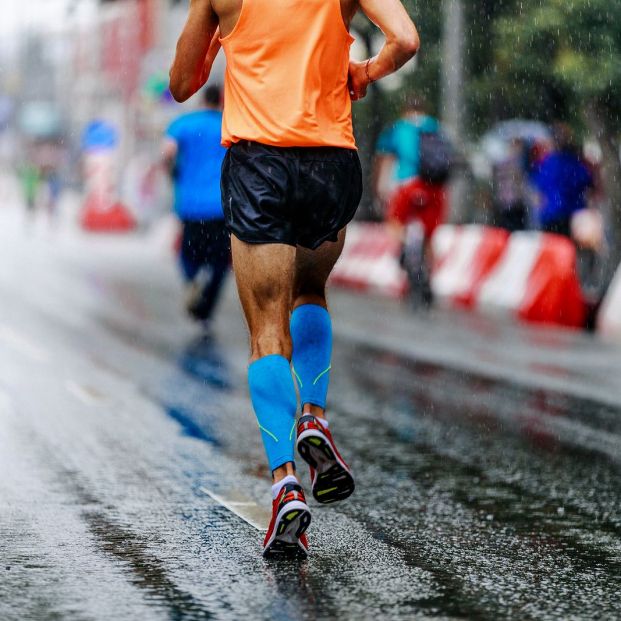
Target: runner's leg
x: 264, y: 274
x: 311, y: 327
x: 189, y: 257
x: 216, y: 257
x: 311, y: 332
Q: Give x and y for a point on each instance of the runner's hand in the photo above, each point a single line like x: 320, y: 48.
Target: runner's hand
x: 358, y: 79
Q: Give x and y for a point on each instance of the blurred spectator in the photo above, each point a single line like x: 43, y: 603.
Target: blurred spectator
x: 414, y: 211
x: 414, y: 161
x: 50, y: 155
x: 536, y: 151
x: 29, y: 179
x: 417, y: 200
x: 398, y: 154
x: 40, y: 175
x: 562, y: 180
x: 509, y: 187
x: 194, y: 156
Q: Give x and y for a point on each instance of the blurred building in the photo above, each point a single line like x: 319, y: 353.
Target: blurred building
x: 94, y: 61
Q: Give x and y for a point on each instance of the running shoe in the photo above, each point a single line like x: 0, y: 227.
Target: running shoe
x: 286, y: 535
x: 331, y: 477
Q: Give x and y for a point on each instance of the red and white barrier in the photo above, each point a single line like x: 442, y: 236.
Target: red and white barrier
x: 370, y: 261
x: 102, y: 217
x: 464, y: 256
x: 609, y: 318
x: 528, y: 276
x: 535, y: 280
x: 102, y: 211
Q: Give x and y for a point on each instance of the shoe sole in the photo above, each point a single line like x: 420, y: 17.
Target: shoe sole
x: 333, y: 481
x: 292, y: 522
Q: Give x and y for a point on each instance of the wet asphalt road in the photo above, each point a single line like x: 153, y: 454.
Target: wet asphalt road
x: 124, y: 437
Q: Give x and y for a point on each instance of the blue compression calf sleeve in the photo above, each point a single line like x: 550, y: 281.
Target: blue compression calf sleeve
x: 275, y: 403
x: 311, y: 332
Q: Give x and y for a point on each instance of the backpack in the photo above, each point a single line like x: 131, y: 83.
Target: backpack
x: 436, y: 158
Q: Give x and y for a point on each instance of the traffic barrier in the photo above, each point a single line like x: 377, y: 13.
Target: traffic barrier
x: 146, y: 187
x: 609, y: 317
x: 535, y: 280
x: 463, y: 258
x: 528, y: 276
x: 102, y: 211
x: 370, y: 261
x: 99, y: 216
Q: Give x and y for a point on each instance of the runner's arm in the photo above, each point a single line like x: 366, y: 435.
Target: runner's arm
x: 402, y: 43
x: 170, y: 148
x: 383, y: 167
x: 197, y: 48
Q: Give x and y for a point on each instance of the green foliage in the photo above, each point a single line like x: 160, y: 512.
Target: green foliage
x: 483, y: 103
x: 541, y: 59
x: 425, y: 79
x: 536, y: 58
x: 563, y: 50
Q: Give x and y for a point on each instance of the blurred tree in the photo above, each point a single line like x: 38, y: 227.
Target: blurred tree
x: 562, y: 59
x: 482, y: 105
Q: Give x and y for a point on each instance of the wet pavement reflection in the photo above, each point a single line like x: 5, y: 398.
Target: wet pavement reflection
x: 476, y: 498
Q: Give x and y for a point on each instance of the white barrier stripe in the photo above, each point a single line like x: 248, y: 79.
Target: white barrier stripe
x: 379, y: 272
x: 609, y: 320
x: 506, y: 286
x: 444, y: 241
x: 369, y: 261
x: 454, y: 277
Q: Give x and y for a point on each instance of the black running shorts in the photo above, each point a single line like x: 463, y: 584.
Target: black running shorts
x: 289, y: 195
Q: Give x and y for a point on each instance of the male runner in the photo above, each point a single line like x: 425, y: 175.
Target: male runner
x: 193, y: 153
x: 291, y: 182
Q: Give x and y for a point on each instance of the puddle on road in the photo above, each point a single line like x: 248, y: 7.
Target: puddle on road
x: 514, y: 494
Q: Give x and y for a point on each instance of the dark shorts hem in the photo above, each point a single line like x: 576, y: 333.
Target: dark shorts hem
x: 255, y: 240
x: 293, y: 196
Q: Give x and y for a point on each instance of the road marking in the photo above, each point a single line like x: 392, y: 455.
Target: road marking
x: 22, y: 344
x: 85, y: 394
x: 247, y: 510
x: 5, y: 402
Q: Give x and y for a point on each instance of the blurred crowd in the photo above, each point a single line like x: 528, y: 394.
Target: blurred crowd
x: 546, y: 184
x: 539, y: 178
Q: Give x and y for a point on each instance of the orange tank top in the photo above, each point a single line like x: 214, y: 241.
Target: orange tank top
x: 286, y: 75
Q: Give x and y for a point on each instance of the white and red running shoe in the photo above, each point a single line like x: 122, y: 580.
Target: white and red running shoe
x: 331, y: 477
x: 286, y: 534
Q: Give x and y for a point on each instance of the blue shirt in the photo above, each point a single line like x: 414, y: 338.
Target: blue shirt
x: 402, y: 140
x: 198, y: 166
x: 563, y: 181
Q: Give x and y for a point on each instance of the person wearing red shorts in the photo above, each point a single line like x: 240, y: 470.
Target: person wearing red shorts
x: 418, y: 200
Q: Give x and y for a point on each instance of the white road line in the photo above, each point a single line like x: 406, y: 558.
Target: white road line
x: 246, y: 510
x: 82, y: 393
x: 5, y: 402
x: 23, y: 344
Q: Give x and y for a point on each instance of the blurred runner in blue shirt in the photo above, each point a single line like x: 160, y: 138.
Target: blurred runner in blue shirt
x: 398, y: 148
x: 563, y: 181
x: 194, y: 155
